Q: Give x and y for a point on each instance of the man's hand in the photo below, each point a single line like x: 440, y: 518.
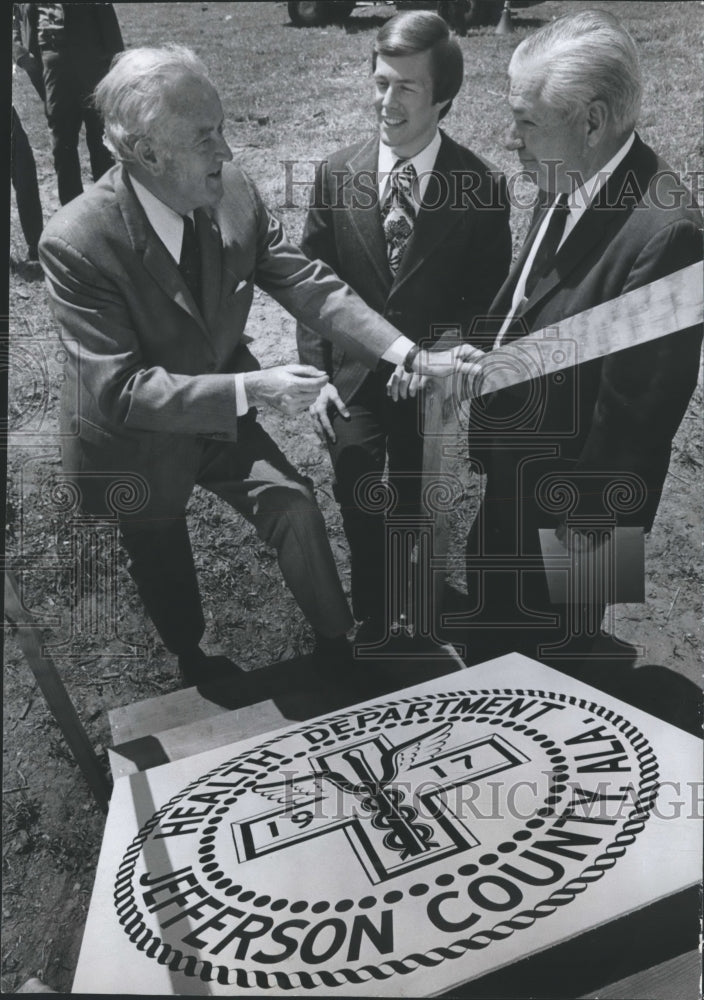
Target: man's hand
x: 463, y: 359
x: 322, y: 425
x: 289, y: 388
x: 402, y: 384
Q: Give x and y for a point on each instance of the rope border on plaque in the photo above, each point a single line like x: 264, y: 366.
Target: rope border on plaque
x: 189, y: 965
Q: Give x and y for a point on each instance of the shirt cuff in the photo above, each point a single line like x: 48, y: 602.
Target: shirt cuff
x: 397, y: 351
x: 241, y: 404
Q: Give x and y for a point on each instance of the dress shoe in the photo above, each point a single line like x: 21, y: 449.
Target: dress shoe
x: 371, y: 631
x: 195, y: 668
x: 374, y: 630
x: 332, y: 651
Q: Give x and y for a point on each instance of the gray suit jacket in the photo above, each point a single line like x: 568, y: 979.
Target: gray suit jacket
x: 148, y: 371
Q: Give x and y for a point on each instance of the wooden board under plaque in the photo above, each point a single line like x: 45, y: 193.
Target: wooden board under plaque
x: 400, y: 847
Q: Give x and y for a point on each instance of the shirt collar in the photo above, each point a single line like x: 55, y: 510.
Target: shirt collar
x: 424, y: 161
x: 166, y: 223
x: 582, y: 197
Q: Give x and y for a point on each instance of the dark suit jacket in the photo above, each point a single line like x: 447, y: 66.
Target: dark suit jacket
x: 618, y: 413
x: 457, y: 257
x: 103, y: 21
x: 150, y: 373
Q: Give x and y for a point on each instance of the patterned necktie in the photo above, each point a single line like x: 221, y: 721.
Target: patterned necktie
x: 190, y: 263
x: 399, y: 213
x: 549, y: 244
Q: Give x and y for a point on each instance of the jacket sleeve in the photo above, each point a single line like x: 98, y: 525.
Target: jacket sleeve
x: 314, y: 295
x: 644, y: 391
x: 318, y: 243
x: 114, y: 376
x: 25, y: 51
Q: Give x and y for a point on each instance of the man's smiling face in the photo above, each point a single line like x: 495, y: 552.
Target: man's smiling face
x: 191, y: 148
x: 407, y: 115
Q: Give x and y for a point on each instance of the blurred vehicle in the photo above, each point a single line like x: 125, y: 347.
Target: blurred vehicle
x: 461, y: 14
x: 312, y: 13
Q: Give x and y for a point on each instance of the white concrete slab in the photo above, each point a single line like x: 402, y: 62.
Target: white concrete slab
x: 400, y: 847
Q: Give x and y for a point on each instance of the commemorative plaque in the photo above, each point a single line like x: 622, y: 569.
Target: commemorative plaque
x: 399, y: 847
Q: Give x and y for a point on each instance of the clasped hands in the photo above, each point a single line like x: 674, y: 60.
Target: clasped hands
x: 462, y: 359
x: 292, y: 388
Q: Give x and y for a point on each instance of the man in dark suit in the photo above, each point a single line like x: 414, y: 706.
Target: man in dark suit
x: 24, y: 181
x: 151, y: 275
x: 589, y: 446
x: 66, y: 49
x: 454, y: 258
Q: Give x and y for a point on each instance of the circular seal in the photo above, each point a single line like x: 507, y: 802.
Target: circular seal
x: 386, y: 838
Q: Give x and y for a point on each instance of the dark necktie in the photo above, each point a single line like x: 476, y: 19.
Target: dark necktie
x: 549, y: 244
x: 398, y: 214
x: 190, y: 263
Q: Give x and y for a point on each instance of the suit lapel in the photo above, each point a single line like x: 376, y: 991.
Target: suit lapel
x: 435, y: 221
x: 613, y: 204
x: 501, y: 306
x: 364, y: 163
x: 157, y: 260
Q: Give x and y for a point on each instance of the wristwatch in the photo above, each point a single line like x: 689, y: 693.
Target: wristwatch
x: 410, y: 358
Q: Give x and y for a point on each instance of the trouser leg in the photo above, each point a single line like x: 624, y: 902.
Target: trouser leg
x: 507, y: 584
x: 358, y: 457
x: 146, y: 485
x: 100, y: 157
x: 410, y: 575
x: 64, y: 115
x: 369, y: 509
x: 161, y: 565
x: 405, y: 450
x: 24, y: 181
x: 257, y: 480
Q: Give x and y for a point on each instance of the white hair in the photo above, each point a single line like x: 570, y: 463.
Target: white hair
x: 585, y: 57
x: 133, y: 98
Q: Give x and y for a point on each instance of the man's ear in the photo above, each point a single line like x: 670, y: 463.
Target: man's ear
x: 443, y: 107
x: 147, y: 156
x: 597, y: 122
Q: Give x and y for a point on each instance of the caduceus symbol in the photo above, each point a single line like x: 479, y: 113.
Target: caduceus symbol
x: 377, y: 794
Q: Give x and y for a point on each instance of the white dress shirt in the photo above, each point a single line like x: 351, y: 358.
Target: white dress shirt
x: 578, y: 202
x: 423, y: 162
x: 168, y: 226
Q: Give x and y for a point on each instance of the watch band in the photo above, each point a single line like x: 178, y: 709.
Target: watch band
x: 410, y: 358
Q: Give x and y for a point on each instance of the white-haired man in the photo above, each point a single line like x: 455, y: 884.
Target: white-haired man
x: 151, y: 276
x: 613, y: 217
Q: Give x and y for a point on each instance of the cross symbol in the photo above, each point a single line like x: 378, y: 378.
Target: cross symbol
x: 387, y: 799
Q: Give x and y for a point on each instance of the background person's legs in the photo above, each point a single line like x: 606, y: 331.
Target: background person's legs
x: 64, y: 114
x: 24, y: 181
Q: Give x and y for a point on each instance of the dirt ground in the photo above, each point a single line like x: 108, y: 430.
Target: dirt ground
x: 107, y: 653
